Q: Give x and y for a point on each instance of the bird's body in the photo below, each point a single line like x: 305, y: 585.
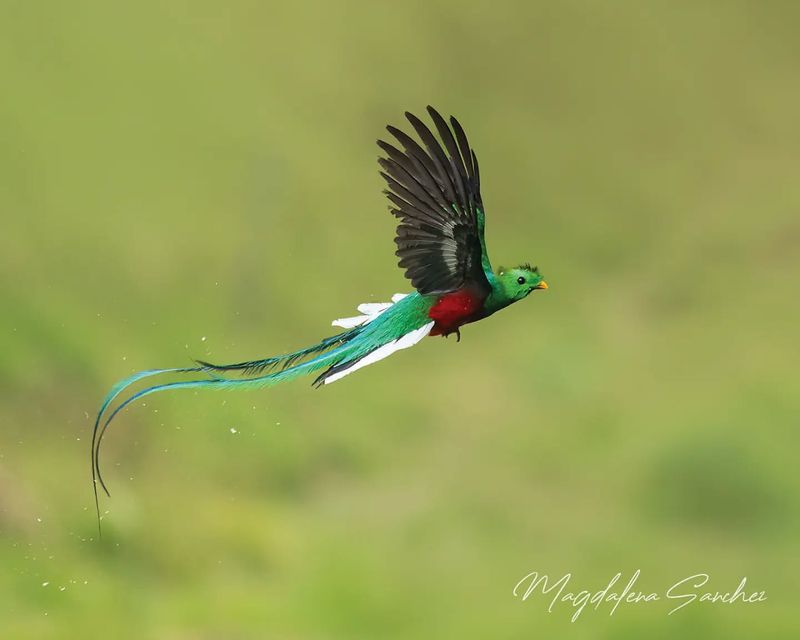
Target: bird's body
x: 435, y: 192
x: 453, y: 310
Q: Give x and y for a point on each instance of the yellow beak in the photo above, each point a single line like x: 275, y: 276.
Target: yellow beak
x: 541, y: 285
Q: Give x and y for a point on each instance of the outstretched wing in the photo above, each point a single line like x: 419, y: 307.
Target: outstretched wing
x: 437, y: 197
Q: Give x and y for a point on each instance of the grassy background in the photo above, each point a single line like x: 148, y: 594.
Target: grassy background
x: 199, y: 179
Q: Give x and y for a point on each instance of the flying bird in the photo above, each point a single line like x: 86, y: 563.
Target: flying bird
x: 434, y: 191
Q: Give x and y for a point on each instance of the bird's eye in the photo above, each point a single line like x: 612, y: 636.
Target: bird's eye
x: 520, y: 280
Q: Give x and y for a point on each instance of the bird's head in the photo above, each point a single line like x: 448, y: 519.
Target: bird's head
x: 518, y: 282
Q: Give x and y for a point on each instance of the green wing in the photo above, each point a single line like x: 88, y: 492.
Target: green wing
x: 436, y: 195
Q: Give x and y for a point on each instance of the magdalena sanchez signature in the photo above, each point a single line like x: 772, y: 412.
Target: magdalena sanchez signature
x: 682, y: 593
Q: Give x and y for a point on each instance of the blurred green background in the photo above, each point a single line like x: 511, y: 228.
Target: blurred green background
x: 199, y: 180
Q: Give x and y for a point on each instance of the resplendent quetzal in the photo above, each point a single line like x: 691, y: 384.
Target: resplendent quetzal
x: 435, y: 192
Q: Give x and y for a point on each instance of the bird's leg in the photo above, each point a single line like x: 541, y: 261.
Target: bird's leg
x: 458, y: 335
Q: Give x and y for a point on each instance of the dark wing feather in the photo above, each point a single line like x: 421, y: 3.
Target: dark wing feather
x: 435, y: 192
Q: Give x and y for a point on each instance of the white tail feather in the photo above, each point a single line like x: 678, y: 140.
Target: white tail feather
x: 404, y: 342
x: 349, y: 323
x: 371, y: 310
